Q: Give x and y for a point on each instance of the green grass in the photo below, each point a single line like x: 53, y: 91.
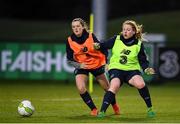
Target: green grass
x: 60, y: 102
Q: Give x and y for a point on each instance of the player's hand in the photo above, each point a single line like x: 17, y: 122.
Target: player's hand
x: 96, y: 46
x: 83, y: 66
x: 149, y: 71
x: 106, y: 67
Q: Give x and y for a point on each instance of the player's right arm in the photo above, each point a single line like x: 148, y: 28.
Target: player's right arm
x: 76, y: 64
x: 107, y: 44
x: 70, y: 57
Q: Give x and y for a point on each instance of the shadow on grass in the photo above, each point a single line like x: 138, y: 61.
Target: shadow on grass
x: 135, y: 120
x: 109, y: 119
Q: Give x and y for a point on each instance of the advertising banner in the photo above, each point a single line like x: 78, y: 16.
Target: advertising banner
x: 34, y: 61
x: 169, y: 63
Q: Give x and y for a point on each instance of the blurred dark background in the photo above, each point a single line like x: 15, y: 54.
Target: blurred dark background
x: 49, y: 22
x: 67, y: 10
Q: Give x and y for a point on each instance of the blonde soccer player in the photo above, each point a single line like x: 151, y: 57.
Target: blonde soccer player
x: 126, y: 61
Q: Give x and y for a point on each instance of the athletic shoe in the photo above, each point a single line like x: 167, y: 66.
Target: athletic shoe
x: 101, y: 115
x: 116, y: 109
x: 150, y: 113
x: 94, y: 112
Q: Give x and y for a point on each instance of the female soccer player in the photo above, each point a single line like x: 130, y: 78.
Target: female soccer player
x: 82, y: 55
x: 127, y: 58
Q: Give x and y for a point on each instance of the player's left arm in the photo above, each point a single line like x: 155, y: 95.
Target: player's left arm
x: 143, y: 61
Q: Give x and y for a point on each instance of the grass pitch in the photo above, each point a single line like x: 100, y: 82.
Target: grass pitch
x: 59, y: 102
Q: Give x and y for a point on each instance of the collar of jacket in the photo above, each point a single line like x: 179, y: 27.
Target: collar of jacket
x: 82, y: 39
x: 129, y: 42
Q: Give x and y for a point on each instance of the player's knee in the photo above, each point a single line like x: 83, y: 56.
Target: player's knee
x: 114, y: 88
x: 140, y: 85
x: 81, y: 90
x: 106, y: 87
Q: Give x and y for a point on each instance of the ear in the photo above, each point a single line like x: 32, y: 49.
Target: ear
x: 134, y: 32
